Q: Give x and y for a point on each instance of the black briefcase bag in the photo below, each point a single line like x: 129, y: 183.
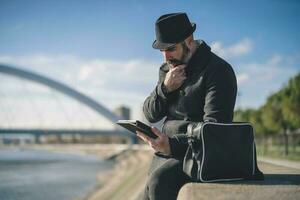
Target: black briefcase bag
x: 221, y: 152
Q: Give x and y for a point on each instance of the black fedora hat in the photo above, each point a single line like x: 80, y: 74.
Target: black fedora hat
x: 171, y: 29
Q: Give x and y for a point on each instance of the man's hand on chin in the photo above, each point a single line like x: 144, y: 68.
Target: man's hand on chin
x: 160, y: 144
x: 175, y: 78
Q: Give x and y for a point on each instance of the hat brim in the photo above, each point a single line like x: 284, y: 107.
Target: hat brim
x: 161, y: 45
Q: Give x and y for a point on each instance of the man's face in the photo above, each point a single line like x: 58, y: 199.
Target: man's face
x: 177, y: 54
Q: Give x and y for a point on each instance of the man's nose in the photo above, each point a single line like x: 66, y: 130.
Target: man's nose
x: 167, y: 55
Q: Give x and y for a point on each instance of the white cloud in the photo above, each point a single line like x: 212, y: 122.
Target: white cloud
x: 274, y: 61
x: 111, y: 82
x: 258, y: 80
x: 118, y: 70
x: 243, y: 47
x: 242, y: 78
x: 40, y: 61
x: 118, y: 82
x: 77, y: 69
x: 85, y: 72
x: 274, y: 69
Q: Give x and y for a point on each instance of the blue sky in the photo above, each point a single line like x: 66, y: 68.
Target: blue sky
x: 103, y: 48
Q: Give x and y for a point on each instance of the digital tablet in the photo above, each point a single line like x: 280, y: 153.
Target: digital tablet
x: 135, y: 125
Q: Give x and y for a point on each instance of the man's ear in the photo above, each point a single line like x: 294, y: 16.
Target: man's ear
x: 189, y: 41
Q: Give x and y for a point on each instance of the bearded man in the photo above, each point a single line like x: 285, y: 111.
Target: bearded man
x: 194, y: 85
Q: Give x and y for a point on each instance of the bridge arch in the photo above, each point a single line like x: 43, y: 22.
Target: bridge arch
x: 61, y: 87
x: 66, y: 90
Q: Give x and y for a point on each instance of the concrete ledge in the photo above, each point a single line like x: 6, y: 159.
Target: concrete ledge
x: 280, y: 183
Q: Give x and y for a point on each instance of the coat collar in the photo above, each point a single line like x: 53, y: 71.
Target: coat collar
x: 198, y: 60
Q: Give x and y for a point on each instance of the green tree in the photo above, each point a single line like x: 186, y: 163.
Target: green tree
x: 272, y: 117
x: 291, y: 102
x: 256, y: 120
x: 280, y: 112
x: 250, y: 115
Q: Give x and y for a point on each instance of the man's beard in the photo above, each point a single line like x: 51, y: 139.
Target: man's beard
x: 186, y: 54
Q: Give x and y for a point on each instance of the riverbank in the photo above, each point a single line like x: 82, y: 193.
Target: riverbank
x: 125, y: 180
x: 32, y: 174
x: 102, y: 151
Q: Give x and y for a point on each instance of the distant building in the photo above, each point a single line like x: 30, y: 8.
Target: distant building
x: 17, y: 139
x: 123, y: 112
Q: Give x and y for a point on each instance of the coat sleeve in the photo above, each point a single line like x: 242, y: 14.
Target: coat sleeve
x: 178, y: 145
x: 155, y: 105
x: 221, y: 89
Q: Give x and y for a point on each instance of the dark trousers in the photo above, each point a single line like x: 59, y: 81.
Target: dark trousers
x: 165, y: 179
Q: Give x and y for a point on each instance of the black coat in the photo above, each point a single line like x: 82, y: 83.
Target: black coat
x: 208, y: 93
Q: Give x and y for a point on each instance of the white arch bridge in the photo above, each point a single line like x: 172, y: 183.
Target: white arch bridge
x: 66, y: 91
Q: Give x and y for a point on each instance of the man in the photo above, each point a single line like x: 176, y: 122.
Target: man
x: 195, y: 85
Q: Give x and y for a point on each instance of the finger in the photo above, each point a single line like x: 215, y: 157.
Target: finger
x: 180, y: 81
x: 153, y: 144
x: 180, y: 67
x: 156, y: 131
x: 172, y: 66
x: 173, y: 69
x: 143, y: 136
x: 180, y: 78
x: 176, y: 70
x: 181, y: 73
x: 177, y: 74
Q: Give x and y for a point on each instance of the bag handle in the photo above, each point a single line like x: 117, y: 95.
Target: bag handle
x: 191, y: 127
x: 190, y: 130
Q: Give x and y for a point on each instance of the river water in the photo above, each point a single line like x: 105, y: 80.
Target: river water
x: 42, y: 175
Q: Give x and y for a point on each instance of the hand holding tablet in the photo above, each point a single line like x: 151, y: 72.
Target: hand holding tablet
x: 136, y: 125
